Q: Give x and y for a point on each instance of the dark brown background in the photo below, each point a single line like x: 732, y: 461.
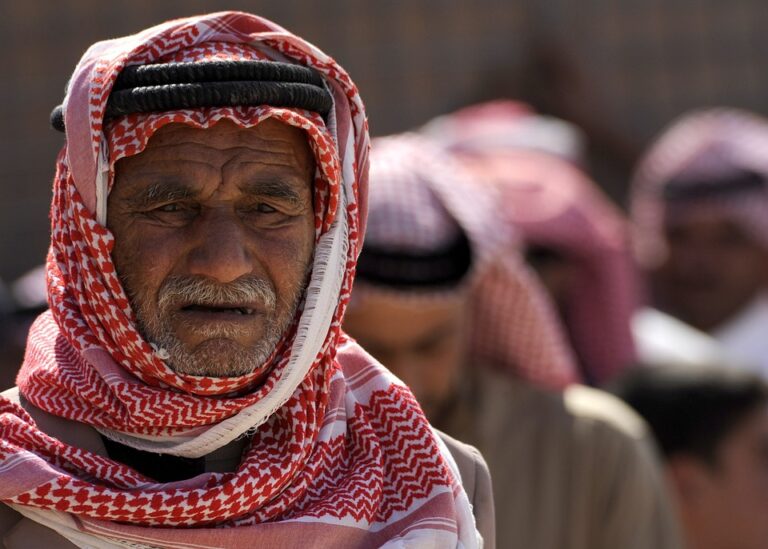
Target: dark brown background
x: 622, y: 69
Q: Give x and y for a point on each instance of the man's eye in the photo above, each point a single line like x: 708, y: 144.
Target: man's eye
x: 258, y: 209
x: 265, y: 208
x: 169, y: 208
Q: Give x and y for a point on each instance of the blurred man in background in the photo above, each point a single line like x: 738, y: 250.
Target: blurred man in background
x: 700, y: 206
x: 575, y: 239
x: 444, y: 300
x: 712, y: 427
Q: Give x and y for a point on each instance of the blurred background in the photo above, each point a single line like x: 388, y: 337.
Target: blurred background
x: 619, y: 70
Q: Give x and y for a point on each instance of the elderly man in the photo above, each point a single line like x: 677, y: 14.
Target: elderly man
x: 190, y: 385
x: 712, y: 427
x: 443, y: 299
x: 700, y: 199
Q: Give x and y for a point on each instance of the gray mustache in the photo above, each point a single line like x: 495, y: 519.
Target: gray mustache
x: 180, y: 290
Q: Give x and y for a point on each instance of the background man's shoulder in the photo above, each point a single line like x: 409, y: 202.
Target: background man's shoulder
x: 593, y: 405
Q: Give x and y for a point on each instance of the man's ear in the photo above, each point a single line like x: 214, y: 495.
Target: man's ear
x: 690, y: 476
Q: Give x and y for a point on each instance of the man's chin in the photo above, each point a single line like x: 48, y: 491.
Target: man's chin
x: 216, y: 357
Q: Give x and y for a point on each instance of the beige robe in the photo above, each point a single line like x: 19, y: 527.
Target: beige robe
x: 572, y: 471
x: 17, y: 532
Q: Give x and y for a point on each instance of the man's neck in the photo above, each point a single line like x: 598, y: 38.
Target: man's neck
x: 168, y: 468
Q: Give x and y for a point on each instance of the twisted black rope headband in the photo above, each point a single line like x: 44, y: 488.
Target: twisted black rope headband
x: 686, y: 189
x: 172, y: 86
x: 405, y: 270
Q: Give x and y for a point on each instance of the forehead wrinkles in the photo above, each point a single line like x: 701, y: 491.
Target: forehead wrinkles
x: 219, y: 157
x: 268, y: 137
x: 212, y: 139
x: 200, y: 153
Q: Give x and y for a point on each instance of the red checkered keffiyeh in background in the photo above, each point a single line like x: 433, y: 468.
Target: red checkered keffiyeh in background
x: 699, y: 147
x: 420, y: 199
x: 552, y: 204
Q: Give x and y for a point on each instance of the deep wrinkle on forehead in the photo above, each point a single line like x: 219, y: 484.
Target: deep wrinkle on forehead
x: 262, y: 164
x: 200, y: 150
x: 262, y: 144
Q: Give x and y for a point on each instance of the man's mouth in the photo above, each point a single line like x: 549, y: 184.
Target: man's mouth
x: 195, y: 323
x: 219, y: 309
x: 213, y: 314
x: 227, y: 320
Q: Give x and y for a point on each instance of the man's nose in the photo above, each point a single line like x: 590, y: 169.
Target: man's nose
x: 220, y: 250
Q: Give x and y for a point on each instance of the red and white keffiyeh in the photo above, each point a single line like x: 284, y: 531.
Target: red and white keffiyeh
x: 419, y: 200
x: 506, y: 124
x: 551, y: 203
x: 701, y: 145
x: 554, y: 205
x: 340, y: 452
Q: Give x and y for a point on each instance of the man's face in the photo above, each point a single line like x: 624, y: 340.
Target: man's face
x: 421, y: 342
x: 712, y: 271
x: 214, y: 235
x: 724, y: 506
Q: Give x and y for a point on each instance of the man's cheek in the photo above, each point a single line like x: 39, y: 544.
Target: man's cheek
x: 142, y: 266
x: 288, y: 261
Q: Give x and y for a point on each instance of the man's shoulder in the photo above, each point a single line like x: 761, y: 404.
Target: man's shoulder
x: 596, y: 406
x: 15, y: 530
x: 476, y: 480
x: 630, y: 473
x: 579, y: 415
x: 610, y: 431
x: 468, y: 459
x: 67, y: 431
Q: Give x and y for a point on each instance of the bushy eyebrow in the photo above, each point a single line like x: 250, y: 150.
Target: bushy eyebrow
x: 162, y: 191
x: 169, y: 191
x: 273, y: 189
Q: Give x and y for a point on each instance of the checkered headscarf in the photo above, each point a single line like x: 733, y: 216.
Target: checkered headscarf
x: 552, y: 204
x: 339, y: 451
x: 697, y: 150
x: 420, y: 200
